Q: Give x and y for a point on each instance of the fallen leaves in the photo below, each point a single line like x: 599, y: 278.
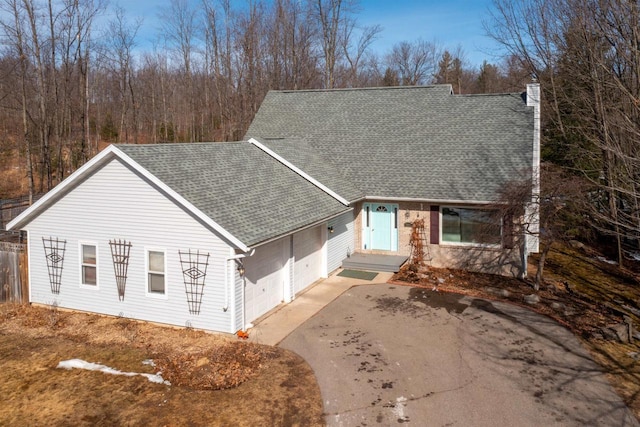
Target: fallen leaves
x: 224, y: 367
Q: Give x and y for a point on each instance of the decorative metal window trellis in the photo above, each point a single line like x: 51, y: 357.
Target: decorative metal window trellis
x: 54, y: 249
x: 120, y: 250
x: 194, y: 272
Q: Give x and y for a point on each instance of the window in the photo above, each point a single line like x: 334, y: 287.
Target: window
x: 155, y: 272
x: 367, y: 208
x: 89, y: 265
x: 470, y: 226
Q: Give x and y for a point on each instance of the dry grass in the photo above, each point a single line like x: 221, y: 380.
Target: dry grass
x: 221, y: 381
x: 215, y: 380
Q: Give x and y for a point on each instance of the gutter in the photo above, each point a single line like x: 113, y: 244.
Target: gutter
x: 226, y: 264
x: 430, y: 201
x: 313, y: 224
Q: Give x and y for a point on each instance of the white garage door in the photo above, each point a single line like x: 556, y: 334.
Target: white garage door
x: 307, y: 250
x: 265, y: 278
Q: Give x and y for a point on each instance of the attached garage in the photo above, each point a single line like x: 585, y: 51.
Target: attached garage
x: 309, y: 257
x: 265, y: 278
x: 268, y: 277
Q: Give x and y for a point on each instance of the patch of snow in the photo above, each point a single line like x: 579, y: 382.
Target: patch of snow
x: 81, y: 364
x: 398, y: 408
x: 608, y: 261
x: 149, y: 362
x: 155, y: 378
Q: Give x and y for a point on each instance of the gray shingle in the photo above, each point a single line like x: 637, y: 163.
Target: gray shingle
x: 251, y: 195
x: 300, y: 152
x: 408, y: 142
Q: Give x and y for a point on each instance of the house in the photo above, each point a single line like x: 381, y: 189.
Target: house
x: 214, y: 235
x: 414, y: 152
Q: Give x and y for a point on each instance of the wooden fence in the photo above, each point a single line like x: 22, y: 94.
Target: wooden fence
x: 14, y: 274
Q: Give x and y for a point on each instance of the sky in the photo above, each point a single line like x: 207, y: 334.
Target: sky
x: 450, y: 23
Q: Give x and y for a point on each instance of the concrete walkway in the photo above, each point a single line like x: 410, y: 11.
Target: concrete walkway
x: 276, y: 325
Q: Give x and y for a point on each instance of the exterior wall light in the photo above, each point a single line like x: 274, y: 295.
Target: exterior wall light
x: 240, y: 269
x: 330, y: 228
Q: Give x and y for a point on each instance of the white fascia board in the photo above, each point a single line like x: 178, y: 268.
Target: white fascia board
x: 181, y: 200
x: 430, y: 201
x: 106, y: 154
x: 21, y: 219
x: 313, y: 224
x: 299, y: 171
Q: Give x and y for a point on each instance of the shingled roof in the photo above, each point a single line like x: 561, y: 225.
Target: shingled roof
x: 403, y: 142
x: 300, y: 152
x: 251, y: 195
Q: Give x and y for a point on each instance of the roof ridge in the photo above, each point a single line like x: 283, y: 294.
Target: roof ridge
x: 173, y: 144
x: 489, y: 94
x: 386, y: 88
x: 256, y: 143
x: 354, y: 89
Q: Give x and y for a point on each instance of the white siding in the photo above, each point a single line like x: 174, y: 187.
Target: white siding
x: 238, y: 295
x: 116, y: 203
x: 265, y: 278
x: 307, y: 253
x: 341, y: 241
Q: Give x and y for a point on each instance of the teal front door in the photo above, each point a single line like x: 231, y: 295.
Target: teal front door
x: 380, y: 228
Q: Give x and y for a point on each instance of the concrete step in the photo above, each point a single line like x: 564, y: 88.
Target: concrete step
x: 374, y: 262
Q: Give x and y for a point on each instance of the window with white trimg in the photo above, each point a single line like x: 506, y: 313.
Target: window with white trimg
x: 89, y: 265
x: 155, y: 272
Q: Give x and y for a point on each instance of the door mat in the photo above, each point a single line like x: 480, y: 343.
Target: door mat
x: 354, y: 274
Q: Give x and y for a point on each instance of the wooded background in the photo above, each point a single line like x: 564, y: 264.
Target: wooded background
x: 74, y: 78
x: 586, y: 55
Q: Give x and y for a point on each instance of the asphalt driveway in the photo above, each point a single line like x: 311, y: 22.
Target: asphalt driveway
x: 385, y: 355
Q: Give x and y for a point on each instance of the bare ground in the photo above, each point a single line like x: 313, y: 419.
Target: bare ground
x: 215, y: 380
x: 221, y: 381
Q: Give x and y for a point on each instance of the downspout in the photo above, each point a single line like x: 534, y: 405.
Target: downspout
x: 226, y: 274
x: 525, y: 256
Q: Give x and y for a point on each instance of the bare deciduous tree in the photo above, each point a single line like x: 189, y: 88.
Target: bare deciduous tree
x: 586, y: 57
x: 14, y: 33
x: 212, y: 63
x: 558, y: 216
x: 120, y: 42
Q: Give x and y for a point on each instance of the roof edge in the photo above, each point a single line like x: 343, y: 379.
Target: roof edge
x: 349, y: 89
x: 21, y: 219
x: 106, y: 155
x: 426, y: 200
x: 181, y: 200
x: 304, y: 227
x: 299, y: 171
